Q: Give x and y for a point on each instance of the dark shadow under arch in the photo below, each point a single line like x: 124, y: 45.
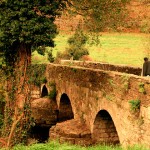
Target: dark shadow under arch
x: 65, y: 109
x: 39, y: 133
x: 48, y: 118
x: 44, y: 91
x: 104, y: 130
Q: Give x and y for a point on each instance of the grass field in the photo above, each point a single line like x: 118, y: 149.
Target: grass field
x: 56, y: 146
x: 116, y: 48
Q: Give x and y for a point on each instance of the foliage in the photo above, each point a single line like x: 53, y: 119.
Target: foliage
x: 111, y: 82
x: 44, y: 80
x: 36, y: 74
x: 1, y: 120
x: 41, y: 50
x: 142, y: 88
x: 74, y: 70
x: 2, y: 96
x: 2, y: 104
x: 15, y: 127
x: 24, y: 26
x: 76, y: 46
x: 50, y: 56
x: 125, y: 82
x: 113, y: 48
x: 17, y: 119
x: 145, y: 26
x: 52, y: 93
x: 1, y: 59
x: 100, y: 14
x: 27, y: 23
x: 134, y: 104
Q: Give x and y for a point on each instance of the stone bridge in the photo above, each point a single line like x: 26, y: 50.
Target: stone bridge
x: 88, y: 103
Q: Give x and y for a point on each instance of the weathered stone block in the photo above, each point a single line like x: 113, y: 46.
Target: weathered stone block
x: 83, y: 141
x: 67, y: 140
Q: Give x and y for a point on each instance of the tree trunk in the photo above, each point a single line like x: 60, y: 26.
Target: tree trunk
x: 17, y: 108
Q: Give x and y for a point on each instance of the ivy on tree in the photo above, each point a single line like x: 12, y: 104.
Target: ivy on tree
x: 27, y: 24
x: 24, y: 25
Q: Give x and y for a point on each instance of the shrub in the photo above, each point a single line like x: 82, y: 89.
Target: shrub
x: 44, y: 80
x: 135, y: 104
x: 76, y: 47
x: 36, y: 74
x: 142, y: 88
x: 50, y: 56
x: 52, y: 94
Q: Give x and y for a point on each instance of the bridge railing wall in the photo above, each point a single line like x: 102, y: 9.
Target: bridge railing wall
x: 104, y: 66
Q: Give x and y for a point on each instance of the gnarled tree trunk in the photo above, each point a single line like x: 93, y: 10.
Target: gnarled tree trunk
x: 17, y: 108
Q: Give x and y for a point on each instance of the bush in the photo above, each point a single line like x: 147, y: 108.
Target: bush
x: 76, y: 52
x: 135, y: 104
x: 52, y: 94
x: 76, y: 47
x: 50, y: 56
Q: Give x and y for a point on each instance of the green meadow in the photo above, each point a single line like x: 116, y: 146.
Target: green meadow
x: 56, y: 146
x: 115, y: 48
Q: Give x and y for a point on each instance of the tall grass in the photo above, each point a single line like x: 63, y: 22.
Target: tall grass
x: 116, y: 48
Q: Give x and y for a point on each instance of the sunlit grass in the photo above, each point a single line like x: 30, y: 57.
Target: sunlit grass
x: 39, y: 59
x: 120, y: 49
x: 53, y: 145
x: 116, y: 48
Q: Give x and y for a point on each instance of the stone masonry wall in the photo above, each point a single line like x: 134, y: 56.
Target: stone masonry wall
x: 104, y: 129
x: 92, y: 90
x: 104, y: 66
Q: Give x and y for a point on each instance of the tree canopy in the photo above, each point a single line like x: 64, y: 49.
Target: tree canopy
x: 31, y: 22
x: 24, y: 24
x: 99, y: 14
x: 27, y: 22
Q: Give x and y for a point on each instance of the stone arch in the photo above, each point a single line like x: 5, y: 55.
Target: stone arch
x: 44, y: 91
x: 104, y: 130
x: 65, y: 109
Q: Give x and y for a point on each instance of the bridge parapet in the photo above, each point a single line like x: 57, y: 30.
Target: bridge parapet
x: 104, y: 66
